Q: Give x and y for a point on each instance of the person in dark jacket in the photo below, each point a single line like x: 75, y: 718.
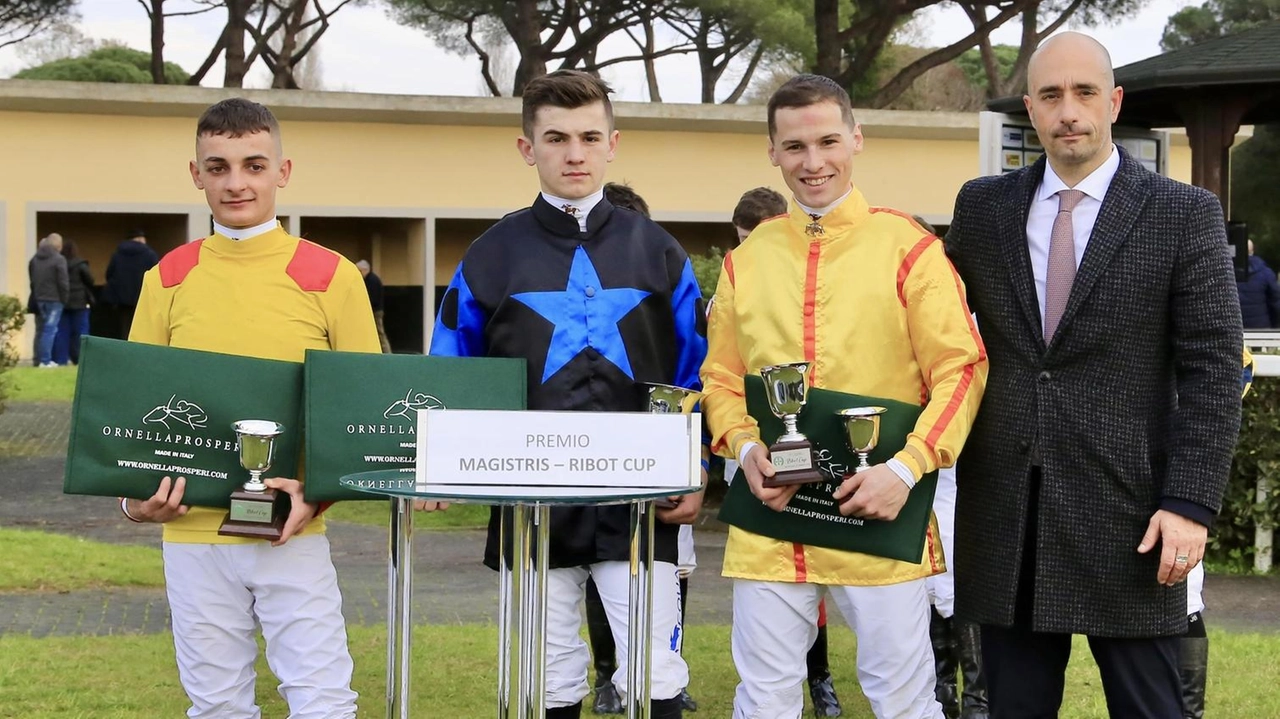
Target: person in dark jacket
x: 373, y: 285
x: 130, y: 262
x: 1259, y: 295
x: 49, y: 289
x: 75, y: 316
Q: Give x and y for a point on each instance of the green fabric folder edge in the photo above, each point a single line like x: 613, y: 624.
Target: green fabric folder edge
x: 902, y: 539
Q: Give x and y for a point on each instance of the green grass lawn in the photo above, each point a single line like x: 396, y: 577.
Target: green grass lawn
x: 40, y: 561
x: 125, y: 677
x: 33, y: 384
x: 377, y: 513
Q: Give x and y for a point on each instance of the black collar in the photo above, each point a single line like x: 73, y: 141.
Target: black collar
x: 563, y: 224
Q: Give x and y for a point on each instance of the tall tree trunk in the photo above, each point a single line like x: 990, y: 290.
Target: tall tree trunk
x: 527, y: 33
x: 650, y: 66
x: 237, y: 26
x: 283, y: 75
x: 157, y: 42
x: 826, y: 22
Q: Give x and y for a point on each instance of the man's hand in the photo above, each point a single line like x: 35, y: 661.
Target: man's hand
x: 1182, y: 545
x: 428, y: 505
x: 163, y: 506
x: 877, y: 493
x: 300, y: 510
x: 756, y: 468
x: 687, y: 506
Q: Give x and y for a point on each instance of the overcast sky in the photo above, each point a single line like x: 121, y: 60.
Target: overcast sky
x: 365, y: 51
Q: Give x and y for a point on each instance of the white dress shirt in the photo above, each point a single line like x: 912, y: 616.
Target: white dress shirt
x: 1044, y: 209
x: 584, y: 206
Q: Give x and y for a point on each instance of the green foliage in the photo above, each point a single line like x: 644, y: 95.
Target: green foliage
x: 1257, y: 454
x: 1255, y: 174
x: 109, y: 64
x: 971, y: 63
x: 1216, y: 18
x: 13, y: 315
x: 706, y: 268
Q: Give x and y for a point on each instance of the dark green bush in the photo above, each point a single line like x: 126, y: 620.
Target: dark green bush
x: 13, y: 314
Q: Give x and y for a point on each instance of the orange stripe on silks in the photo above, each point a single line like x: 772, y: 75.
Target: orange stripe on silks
x: 968, y: 315
x: 728, y: 266
x: 802, y: 571
x: 957, y: 398
x: 899, y: 213
x: 312, y: 266
x: 904, y: 270
x: 177, y: 263
x: 811, y: 308
x: 822, y: 613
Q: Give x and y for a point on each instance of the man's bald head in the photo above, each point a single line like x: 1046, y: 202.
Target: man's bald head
x: 1073, y: 100
x: 1074, y: 47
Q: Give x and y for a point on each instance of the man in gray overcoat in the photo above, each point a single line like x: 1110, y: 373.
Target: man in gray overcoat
x: 1106, y: 299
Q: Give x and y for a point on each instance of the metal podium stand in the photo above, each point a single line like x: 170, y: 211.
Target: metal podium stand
x: 522, y: 589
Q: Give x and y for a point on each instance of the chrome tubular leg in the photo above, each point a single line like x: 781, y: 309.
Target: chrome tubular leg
x: 506, y: 620
x: 538, y: 588
x: 399, y: 607
x: 640, y: 611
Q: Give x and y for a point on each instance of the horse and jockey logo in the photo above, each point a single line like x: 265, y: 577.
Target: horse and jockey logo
x: 408, y: 407
x: 179, y: 411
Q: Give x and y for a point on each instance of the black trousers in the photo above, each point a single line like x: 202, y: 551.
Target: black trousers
x: 1026, y: 670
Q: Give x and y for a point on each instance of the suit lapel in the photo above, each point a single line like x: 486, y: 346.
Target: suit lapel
x: 1120, y: 209
x: 1013, y: 239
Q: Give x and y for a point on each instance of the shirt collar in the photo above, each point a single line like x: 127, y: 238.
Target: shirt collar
x: 1094, y: 185
x: 820, y: 211
x: 584, y: 205
x: 244, y: 233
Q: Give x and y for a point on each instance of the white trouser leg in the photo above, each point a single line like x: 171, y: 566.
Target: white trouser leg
x: 297, y: 601
x: 895, y: 659
x: 942, y: 587
x: 774, y: 624
x: 213, y: 632
x: 567, y: 653
x: 669, y: 672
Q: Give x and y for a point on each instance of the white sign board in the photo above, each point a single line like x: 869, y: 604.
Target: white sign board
x: 558, y: 449
x: 1009, y: 143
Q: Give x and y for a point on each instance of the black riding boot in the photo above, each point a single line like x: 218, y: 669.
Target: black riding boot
x: 666, y: 708
x: 603, y: 654
x: 822, y: 689
x: 1193, y: 668
x: 573, y: 711
x: 969, y: 644
x: 945, y: 653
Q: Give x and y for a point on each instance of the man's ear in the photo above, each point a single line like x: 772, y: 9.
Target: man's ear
x: 286, y: 171
x: 195, y: 175
x: 525, y: 146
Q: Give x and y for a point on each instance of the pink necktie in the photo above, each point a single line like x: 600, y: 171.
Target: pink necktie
x: 1062, y: 262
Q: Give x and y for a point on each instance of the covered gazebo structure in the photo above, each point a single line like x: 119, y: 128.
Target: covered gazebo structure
x: 1211, y: 89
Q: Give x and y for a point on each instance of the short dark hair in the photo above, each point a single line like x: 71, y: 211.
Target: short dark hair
x: 622, y: 195
x: 568, y: 89
x: 135, y: 232
x: 805, y: 90
x: 758, y: 205
x: 69, y: 249
x: 236, y: 117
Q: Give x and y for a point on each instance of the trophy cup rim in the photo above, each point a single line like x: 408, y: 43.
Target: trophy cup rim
x: 787, y: 365
x: 264, y: 428
x: 861, y: 412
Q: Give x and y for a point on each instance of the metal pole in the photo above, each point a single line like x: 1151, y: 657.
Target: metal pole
x: 640, y: 611
x: 399, y: 607
x: 505, y: 618
x: 520, y: 546
x: 538, y: 658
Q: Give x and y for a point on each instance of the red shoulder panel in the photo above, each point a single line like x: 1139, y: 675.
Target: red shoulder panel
x: 175, y: 264
x: 728, y: 267
x: 312, y: 266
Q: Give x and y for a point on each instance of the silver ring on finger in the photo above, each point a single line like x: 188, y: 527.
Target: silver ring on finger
x: 1181, y: 559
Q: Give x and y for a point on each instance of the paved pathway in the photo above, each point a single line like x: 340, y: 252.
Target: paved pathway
x: 450, y: 584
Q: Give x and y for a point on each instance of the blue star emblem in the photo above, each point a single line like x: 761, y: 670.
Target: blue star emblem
x: 585, y: 315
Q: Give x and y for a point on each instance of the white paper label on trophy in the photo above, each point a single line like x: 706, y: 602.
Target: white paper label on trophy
x: 559, y: 449
x: 787, y: 460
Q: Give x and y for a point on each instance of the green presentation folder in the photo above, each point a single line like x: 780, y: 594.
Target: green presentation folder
x: 361, y: 409
x: 813, y: 517
x: 143, y: 412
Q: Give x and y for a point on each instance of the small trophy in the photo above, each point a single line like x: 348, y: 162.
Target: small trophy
x: 786, y: 386
x: 861, y: 432
x: 669, y: 399
x: 254, y: 512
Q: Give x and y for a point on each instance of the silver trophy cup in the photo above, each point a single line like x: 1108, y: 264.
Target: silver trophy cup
x: 257, y: 449
x: 254, y: 511
x: 787, y: 387
x: 861, y: 432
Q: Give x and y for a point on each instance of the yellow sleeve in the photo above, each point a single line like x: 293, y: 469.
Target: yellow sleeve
x: 151, y: 318
x: 350, y: 316
x: 724, y: 400
x: 951, y: 357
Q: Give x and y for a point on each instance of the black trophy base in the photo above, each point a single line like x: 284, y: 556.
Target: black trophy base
x: 793, y: 464
x: 255, y: 515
